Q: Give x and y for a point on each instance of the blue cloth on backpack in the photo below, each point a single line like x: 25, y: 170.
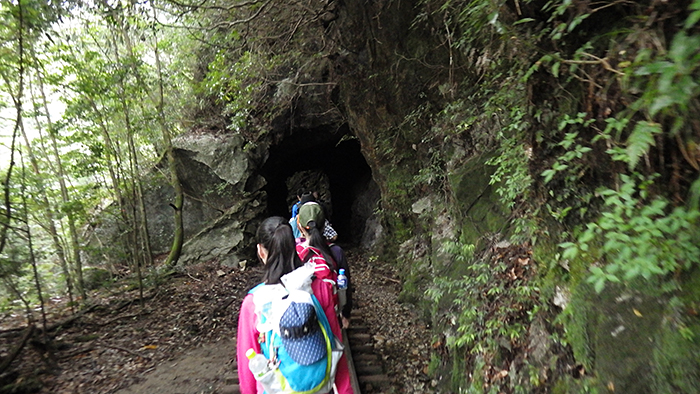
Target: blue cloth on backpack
x: 301, y: 334
x: 309, y: 340
x: 295, y: 228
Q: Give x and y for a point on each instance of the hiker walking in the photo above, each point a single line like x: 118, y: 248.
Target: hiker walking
x: 290, y: 319
x: 312, y: 246
x: 328, y: 258
x: 328, y: 231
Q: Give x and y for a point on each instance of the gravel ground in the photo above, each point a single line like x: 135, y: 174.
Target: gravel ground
x: 402, y: 339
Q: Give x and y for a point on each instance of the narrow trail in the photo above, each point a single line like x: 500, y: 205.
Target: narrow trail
x: 395, y: 330
x: 389, y: 349
x: 182, y: 341
x: 389, y: 346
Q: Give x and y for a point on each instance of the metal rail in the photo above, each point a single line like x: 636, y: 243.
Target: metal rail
x: 351, y: 364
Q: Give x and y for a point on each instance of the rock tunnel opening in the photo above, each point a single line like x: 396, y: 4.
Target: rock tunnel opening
x: 331, y: 162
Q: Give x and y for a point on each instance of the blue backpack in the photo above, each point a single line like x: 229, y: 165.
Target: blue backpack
x: 295, y: 336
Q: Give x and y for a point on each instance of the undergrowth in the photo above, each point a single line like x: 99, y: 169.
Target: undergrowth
x: 590, y: 110
x: 486, y: 311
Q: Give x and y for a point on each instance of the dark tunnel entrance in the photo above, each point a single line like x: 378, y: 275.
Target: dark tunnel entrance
x: 354, y: 194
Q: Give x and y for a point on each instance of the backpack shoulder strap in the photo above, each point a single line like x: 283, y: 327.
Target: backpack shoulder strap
x: 322, y: 318
x: 256, y: 288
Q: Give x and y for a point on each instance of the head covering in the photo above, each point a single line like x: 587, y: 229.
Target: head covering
x: 311, y: 211
x: 301, y: 334
x: 307, y: 197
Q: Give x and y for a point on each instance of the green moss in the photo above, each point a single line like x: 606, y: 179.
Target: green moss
x: 434, y: 364
x: 580, y: 316
x: 569, y: 385
x: 633, y: 338
x: 551, y: 273
x: 476, y: 201
x: 95, y: 277
x: 576, y: 319
x: 414, y: 285
x: 458, y: 377
x: 677, y: 354
x: 561, y: 387
x: 677, y: 361
x: 636, y: 337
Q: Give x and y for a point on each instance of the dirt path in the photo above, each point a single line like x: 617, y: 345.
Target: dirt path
x: 181, y: 340
x: 204, y: 370
x: 403, y: 342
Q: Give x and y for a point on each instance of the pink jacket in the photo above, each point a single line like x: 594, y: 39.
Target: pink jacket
x: 323, y: 268
x: 248, y: 338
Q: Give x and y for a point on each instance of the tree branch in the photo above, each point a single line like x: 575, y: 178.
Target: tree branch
x: 604, y: 62
x: 15, y: 352
x: 242, y: 21
x: 201, y: 5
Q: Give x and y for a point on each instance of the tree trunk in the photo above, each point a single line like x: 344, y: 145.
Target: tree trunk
x: 178, y: 238
x: 140, y: 227
x: 17, y: 100
x: 159, y: 102
x: 58, y: 244
x: 174, y: 180
x: 113, y: 152
x: 75, y: 243
x: 49, y: 225
x: 32, y: 256
x: 6, y: 218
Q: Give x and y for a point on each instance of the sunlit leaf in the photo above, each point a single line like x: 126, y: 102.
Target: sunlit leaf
x: 524, y: 20
x: 641, y: 139
x: 659, y: 103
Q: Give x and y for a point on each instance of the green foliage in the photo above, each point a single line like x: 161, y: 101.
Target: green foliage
x: 433, y: 174
x: 232, y: 83
x: 96, y: 278
x: 475, y: 20
x: 670, y: 81
x: 636, y: 236
x: 639, y: 142
x: 16, y: 278
x: 676, y: 355
x: 101, y: 87
x: 570, y: 160
x: 611, y: 100
x: 511, y: 175
x: 489, y: 309
x: 638, y: 233
x: 221, y: 189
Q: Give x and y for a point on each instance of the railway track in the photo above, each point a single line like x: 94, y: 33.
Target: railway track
x: 366, y: 369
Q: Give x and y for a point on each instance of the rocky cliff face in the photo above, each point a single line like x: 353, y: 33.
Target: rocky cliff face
x: 432, y: 157
x: 355, y: 126
x: 371, y: 119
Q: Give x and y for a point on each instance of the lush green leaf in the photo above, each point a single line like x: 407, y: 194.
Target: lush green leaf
x: 641, y: 139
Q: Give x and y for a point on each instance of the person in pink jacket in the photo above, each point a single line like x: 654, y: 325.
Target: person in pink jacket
x: 276, y: 249
x: 312, y: 246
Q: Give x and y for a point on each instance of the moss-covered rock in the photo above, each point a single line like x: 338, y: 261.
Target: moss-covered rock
x: 96, y: 277
x: 476, y: 201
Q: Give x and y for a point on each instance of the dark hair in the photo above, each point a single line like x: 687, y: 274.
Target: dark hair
x: 275, y: 235
x: 318, y: 241
x: 307, y: 197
